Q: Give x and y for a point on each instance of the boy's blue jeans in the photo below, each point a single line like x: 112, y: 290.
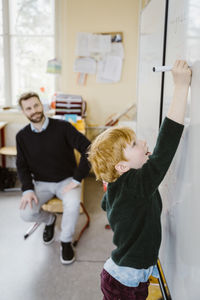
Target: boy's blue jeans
x: 114, y: 290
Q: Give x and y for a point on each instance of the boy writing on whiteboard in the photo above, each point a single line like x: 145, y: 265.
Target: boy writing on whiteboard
x: 132, y: 200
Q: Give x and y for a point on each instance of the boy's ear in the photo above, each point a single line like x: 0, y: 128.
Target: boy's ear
x: 122, y: 167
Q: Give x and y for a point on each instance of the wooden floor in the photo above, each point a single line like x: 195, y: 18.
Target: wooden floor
x: 154, y: 290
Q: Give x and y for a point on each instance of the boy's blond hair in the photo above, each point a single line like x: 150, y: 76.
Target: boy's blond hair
x: 107, y: 151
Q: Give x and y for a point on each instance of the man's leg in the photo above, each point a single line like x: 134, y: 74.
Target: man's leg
x: 71, y: 209
x: 44, y: 192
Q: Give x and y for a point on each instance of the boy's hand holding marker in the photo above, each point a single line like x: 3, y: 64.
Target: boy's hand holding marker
x: 182, y: 77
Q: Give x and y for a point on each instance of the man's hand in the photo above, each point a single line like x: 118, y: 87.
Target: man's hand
x: 69, y: 187
x: 27, y: 199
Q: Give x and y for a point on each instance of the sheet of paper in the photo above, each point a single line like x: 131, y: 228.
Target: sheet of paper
x: 85, y: 65
x: 98, y: 43
x: 112, y: 68
x: 82, y: 44
x: 117, y: 49
x: 99, y: 76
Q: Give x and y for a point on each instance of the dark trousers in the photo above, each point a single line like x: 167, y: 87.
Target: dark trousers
x: 114, y: 290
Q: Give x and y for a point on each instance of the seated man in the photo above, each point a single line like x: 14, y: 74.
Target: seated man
x: 47, y: 167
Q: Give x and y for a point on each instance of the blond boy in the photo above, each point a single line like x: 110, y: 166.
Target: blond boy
x: 132, y: 201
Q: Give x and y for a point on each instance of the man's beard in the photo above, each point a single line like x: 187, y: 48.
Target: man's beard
x: 39, y: 118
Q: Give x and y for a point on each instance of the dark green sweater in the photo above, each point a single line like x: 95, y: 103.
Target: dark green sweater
x: 133, y: 203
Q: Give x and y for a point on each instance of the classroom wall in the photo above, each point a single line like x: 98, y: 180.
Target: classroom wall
x: 99, y: 16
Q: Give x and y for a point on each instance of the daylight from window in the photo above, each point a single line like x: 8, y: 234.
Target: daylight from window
x: 31, y: 44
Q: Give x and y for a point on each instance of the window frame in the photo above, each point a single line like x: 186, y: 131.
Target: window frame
x: 6, y: 52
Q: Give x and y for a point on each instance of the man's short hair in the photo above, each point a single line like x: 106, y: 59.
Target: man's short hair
x: 27, y: 96
x: 107, y: 151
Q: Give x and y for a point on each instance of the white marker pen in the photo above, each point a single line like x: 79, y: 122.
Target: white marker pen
x: 162, y: 68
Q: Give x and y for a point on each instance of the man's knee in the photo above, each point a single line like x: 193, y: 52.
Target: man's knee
x: 29, y: 215
x: 71, y: 204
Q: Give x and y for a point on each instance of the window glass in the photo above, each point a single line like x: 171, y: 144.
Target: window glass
x: 1, y: 58
x: 1, y: 18
x: 35, y: 17
x: 29, y: 61
x: 32, y: 45
x: 2, y: 95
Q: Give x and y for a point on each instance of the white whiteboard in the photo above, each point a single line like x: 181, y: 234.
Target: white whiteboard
x: 180, y: 248
x: 149, y: 83
x: 180, y: 191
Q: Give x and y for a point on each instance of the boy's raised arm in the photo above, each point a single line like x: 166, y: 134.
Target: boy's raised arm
x: 182, y: 77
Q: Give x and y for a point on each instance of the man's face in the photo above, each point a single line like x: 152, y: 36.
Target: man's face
x: 33, y: 109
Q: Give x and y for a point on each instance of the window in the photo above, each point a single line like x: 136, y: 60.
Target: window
x: 2, y: 95
x: 27, y: 42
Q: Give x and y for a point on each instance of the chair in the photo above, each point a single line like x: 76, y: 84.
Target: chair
x: 55, y: 205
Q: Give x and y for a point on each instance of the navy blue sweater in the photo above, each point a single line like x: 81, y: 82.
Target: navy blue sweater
x: 49, y: 155
x: 133, y: 203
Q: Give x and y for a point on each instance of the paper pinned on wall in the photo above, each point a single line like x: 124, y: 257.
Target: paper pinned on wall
x: 85, y: 65
x: 109, y: 69
x: 99, y: 76
x: 82, y: 78
x: 99, y: 54
x: 112, y: 68
x: 88, y: 43
x: 82, y: 46
x: 117, y: 49
x: 98, y: 43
